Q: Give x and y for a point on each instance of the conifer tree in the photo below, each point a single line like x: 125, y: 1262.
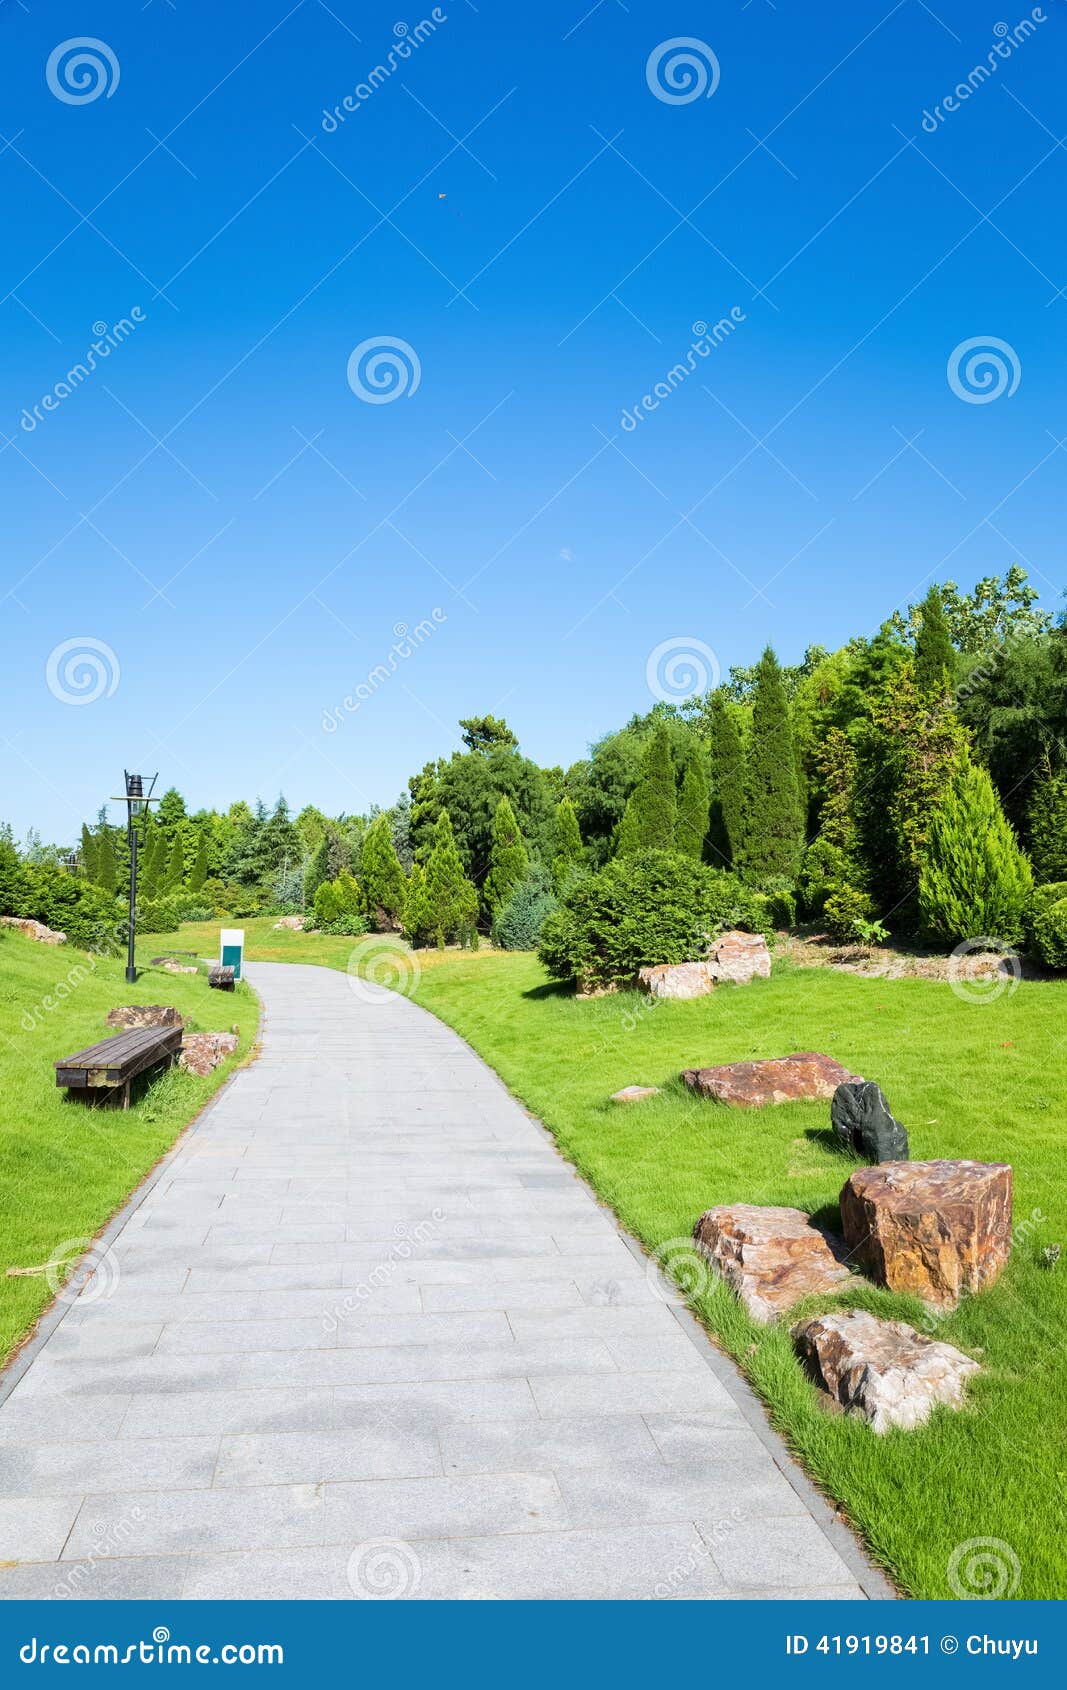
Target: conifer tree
x: 568, y: 853
x: 975, y: 882
x: 316, y: 869
x: 451, y: 898
x: 1047, y: 820
x: 651, y: 813
x: 383, y: 878
x: 198, y: 873
x: 728, y: 777
x: 509, y: 861
x: 694, y: 808
x: 416, y: 916
x: 104, y: 863
x: 935, y: 657
x: 87, y: 854
x: 774, y: 822
x: 175, y: 877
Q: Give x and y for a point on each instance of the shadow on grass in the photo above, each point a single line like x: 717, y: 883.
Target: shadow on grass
x: 551, y: 989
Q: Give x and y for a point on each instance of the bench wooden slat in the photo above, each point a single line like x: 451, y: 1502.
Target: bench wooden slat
x: 114, y: 1061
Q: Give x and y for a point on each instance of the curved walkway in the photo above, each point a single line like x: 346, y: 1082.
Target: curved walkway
x: 368, y: 1334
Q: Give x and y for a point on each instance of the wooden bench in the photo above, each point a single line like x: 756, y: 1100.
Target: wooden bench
x: 115, y: 1062
x: 221, y: 976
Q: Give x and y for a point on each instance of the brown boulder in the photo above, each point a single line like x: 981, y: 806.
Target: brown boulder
x: 882, y: 1369
x: 129, y: 1015
x: 291, y: 923
x: 677, y: 980
x: 202, y: 1052
x: 34, y: 929
x: 771, y: 1257
x: 936, y: 1229
x: 740, y: 957
x: 779, y: 1079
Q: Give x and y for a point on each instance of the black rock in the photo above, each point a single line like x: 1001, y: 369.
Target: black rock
x: 861, y: 1119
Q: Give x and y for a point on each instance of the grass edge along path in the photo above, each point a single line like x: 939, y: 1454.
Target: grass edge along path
x: 66, y: 1169
x: 983, y: 1079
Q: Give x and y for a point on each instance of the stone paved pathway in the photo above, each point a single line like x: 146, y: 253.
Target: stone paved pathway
x: 368, y: 1334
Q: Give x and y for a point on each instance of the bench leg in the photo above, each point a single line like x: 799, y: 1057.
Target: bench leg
x: 126, y: 1095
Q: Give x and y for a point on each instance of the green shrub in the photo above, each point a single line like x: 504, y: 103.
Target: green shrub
x: 1050, y: 933
x: 848, y: 914
x: 518, y: 924
x: 974, y: 880
x: 655, y: 907
x: 780, y: 903
x: 825, y: 869
x: 44, y: 892
x: 1050, y: 893
x: 158, y: 915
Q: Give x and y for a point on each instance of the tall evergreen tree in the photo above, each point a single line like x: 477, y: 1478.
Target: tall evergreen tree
x: 935, y: 658
x: 417, y: 918
x: 87, y: 854
x: 774, y: 821
x: 105, y: 865
x: 1047, y: 824
x: 728, y: 778
x: 568, y: 852
x: 316, y: 870
x: 975, y: 882
x: 383, y: 878
x: 509, y: 861
x: 199, y: 871
x: 451, y: 898
x: 694, y: 808
x: 651, y: 813
x: 907, y: 764
x: 175, y: 879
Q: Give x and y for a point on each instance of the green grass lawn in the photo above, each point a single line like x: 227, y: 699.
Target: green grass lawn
x: 983, y: 1080
x: 65, y: 1169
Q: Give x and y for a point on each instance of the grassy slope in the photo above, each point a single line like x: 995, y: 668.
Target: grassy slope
x: 65, y: 1169
x: 983, y: 1080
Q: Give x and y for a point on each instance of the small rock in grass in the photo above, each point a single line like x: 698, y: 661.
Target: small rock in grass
x: 862, y: 1121
x: 677, y: 980
x: 130, y: 1015
x: 634, y: 1094
x: 882, y: 1369
x: 740, y: 957
x: 202, y: 1052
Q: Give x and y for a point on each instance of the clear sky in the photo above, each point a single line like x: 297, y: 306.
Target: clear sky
x: 234, y: 530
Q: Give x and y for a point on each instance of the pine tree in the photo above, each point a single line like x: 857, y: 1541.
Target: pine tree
x: 651, y: 813
x: 383, y: 878
x: 104, y: 864
x: 1047, y: 823
x: 87, y: 854
x: 935, y: 658
x: 509, y: 861
x: 175, y: 877
x: 774, y: 822
x: 316, y: 870
x: 975, y: 882
x: 908, y: 762
x: 728, y: 776
x: 568, y: 853
x: 199, y: 871
x: 694, y: 808
x: 417, y: 921
x: 451, y: 898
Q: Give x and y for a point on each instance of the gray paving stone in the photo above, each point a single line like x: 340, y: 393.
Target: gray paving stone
x: 35, y: 1528
x: 496, y: 1446
x: 775, y: 1554
x: 739, y: 1490
x: 106, y: 1578
x: 71, y: 1469
x: 380, y: 1449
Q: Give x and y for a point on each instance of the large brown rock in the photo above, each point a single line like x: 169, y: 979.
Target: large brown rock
x: 34, y: 929
x: 779, y: 1079
x: 131, y: 1015
x: 936, y: 1229
x: 202, y: 1052
x: 677, y: 980
x: 739, y: 957
x: 882, y: 1369
x: 771, y: 1257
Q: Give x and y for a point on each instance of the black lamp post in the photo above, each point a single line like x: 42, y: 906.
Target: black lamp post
x: 137, y: 801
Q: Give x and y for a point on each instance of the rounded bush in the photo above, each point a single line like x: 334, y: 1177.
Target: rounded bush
x: 519, y: 921
x: 844, y: 910
x: 1050, y: 933
x: 655, y: 907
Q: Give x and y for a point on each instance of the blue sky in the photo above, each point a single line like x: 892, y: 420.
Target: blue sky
x: 237, y: 533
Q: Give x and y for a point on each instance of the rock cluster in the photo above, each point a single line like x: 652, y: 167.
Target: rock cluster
x: 771, y: 1257
x: 735, y: 957
x: 130, y: 1015
x: 779, y: 1079
x: 882, y: 1369
x: 34, y: 930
